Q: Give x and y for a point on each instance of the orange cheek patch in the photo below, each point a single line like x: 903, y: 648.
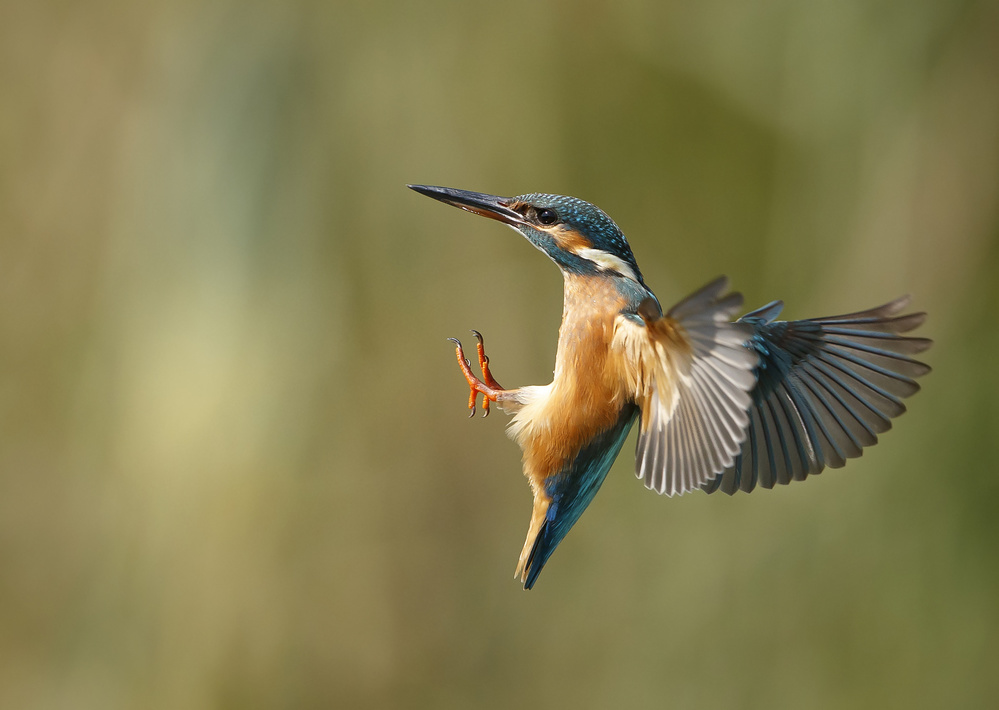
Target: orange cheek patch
x: 571, y: 240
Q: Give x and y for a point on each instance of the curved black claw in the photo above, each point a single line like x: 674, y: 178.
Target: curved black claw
x: 458, y: 344
x: 483, y: 356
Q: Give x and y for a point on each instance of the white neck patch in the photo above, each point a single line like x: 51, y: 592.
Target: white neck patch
x: 606, y: 261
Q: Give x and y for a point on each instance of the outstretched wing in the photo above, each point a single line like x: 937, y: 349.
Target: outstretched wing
x: 827, y: 387
x: 692, y: 382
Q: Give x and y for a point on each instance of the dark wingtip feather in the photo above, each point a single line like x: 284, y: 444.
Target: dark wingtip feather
x: 767, y: 313
x: 881, y: 312
x: 919, y: 345
x: 893, y: 307
x: 903, y: 324
x: 839, y: 383
x: 706, y: 294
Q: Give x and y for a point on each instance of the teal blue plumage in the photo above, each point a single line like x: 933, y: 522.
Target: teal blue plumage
x: 724, y: 405
x: 572, y: 489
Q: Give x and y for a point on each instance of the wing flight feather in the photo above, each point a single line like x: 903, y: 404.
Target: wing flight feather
x: 827, y: 388
x: 693, y: 388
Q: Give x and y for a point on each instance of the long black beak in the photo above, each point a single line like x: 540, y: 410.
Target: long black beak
x: 491, y: 206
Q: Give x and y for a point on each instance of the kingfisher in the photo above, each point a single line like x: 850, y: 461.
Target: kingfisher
x: 721, y: 404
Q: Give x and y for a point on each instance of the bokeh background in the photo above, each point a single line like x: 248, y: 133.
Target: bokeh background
x: 235, y: 468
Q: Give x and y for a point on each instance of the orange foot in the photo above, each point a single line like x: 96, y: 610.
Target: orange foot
x: 489, y: 387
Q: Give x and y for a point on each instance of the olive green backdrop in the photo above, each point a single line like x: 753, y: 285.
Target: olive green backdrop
x: 235, y: 468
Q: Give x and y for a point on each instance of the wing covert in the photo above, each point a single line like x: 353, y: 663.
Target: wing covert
x: 694, y: 411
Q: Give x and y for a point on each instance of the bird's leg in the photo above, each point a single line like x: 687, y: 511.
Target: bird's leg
x: 489, y: 388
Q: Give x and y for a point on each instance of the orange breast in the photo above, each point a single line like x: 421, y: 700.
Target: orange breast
x: 588, y: 391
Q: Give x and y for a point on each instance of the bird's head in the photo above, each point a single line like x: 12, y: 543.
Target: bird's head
x: 576, y: 235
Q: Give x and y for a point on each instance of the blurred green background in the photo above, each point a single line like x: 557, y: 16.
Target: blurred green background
x: 235, y: 468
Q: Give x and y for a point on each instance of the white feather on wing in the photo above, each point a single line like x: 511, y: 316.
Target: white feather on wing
x: 691, y: 374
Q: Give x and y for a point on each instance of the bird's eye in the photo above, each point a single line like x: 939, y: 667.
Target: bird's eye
x: 547, y: 216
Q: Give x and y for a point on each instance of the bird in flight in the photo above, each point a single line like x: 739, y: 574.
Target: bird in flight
x: 721, y: 405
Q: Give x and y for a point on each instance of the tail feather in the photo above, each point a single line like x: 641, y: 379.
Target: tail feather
x: 566, y: 495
